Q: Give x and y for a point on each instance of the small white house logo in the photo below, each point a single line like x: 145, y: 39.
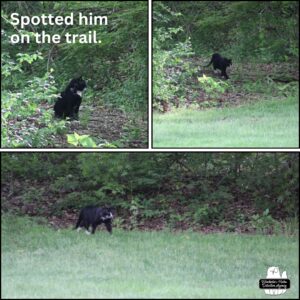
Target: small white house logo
x: 275, y: 284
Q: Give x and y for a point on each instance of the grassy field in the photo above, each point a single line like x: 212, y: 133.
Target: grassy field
x: 270, y: 123
x: 39, y: 262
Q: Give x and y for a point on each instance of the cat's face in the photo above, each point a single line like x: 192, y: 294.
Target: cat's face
x: 107, y: 214
x: 78, y: 84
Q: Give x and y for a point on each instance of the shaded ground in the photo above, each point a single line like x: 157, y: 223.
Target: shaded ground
x: 247, y: 83
x: 104, y: 125
x: 108, y: 125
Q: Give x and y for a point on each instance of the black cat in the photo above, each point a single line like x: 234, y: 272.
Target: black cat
x: 94, y: 216
x: 220, y: 63
x: 68, y: 103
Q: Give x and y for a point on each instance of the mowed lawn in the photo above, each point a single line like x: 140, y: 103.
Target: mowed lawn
x: 272, y: 123
x: 39, y: 262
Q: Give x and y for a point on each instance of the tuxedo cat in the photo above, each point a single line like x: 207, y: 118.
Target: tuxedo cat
x: 94, y: 216
x: 220, y: 63
x: 68, y: 103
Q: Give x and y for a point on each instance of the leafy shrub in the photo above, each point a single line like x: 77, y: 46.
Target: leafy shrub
x: 206, y: 215
x: 74, y: 200
x: 32, y: 194
x: 213, y: 88
x: 265, y: 224
x: 25, y: 117
x: 169, y: 69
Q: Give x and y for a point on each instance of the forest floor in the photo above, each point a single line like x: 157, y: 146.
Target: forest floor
x: 249, y: 82
x: 57, y: 212
x: 107, y: 125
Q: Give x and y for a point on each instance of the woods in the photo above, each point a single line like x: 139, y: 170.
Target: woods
x: 46, y: 44
x: 240, y: 192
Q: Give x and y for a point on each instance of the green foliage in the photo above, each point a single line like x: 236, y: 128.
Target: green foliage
x: 174, y: 190
x: 265, y: 224
x: 268, y: 86
x: 29, y: 58
x: 130, y: 93
x: 170, y: 72
x: 81, y: 140
x: 86, y: 141
x: 25, y: 122
x: 19, y: 166
x: 175, y: 219
x: 116, y: 68
x: 213, y: 90
x: 262, y: 31
x: 65, y: 184
x: 204, y: 214
x: 75, y: 200
x: 210, y: 205
x: 134, y: 208
x: 32, y: 194
x: 8, y: 66
x: 211, y: 87
x: 291, y: 226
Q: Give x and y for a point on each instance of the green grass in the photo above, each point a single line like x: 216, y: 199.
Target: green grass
x: 270, y: 123
x: 38, y: 262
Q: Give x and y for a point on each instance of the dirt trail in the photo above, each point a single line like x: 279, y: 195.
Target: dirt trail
x: 240, y: 75
x: 107, y: 125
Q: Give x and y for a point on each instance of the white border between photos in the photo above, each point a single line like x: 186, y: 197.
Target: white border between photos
x: 149, y: 74
x: 83, y: 150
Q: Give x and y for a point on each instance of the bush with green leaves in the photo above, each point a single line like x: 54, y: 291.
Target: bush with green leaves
x: 265, y: 223
x: 213, y: 89
x: 170, y: 71
x: 25, y: 116
x: 247, y: 30
x: 86, y: 141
